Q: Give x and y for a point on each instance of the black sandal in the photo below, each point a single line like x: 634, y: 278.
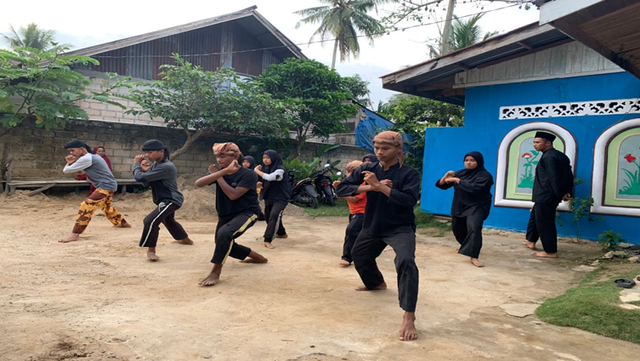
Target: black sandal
x: 625, y: 283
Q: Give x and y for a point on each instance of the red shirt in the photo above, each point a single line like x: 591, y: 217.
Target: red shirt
x: 358, y: 207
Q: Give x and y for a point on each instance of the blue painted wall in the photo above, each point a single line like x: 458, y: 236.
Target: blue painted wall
x: 483, y: 132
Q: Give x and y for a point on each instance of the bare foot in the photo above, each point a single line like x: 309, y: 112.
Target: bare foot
x: 255, y: 257
x: 476, y: 263
x: 282, y: 236
x: 344, y: 263
x: 211, y: 280
x: 152, y: 256
x: 545, y: 255
x: 124, y: 224
x: 213, y: 277
x: 408, y: 330
x: 380, y: 287
x: 186, y: 241
x: 269, y: 245
x: 73, y: 237
x: 530, y: 245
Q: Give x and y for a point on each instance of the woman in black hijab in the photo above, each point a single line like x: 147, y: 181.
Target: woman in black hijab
x: 369, y: 158
x: 276, y: 192
x: 471, y: 203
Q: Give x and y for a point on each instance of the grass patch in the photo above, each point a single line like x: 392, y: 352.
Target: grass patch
x: 341, y: 209
x: 429, y: 224
x: 593, y: 305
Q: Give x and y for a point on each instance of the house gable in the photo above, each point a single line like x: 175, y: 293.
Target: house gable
x: 243, y: 40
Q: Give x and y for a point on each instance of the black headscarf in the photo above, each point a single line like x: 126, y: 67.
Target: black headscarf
x: 467, y: 173
x: 372, y: 157
x: 78, y: 144
x: 154, y: 144
x: 252, y: 161
x: 275, y: 190
x: 276, y: 161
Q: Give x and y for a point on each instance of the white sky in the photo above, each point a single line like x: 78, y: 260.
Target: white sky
x: 87, y: 23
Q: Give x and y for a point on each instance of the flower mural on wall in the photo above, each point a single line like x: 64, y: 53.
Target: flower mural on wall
x: 530, y: 162
x: 632, y: 183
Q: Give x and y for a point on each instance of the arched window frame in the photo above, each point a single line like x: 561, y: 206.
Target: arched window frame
x: 503, y: 159
x: 598, y: 181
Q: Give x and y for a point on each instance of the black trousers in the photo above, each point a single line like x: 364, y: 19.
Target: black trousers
x: 468, y: 232
x: 273, y: 213
x: 542, y: 225
x: 164, y: 213
x: 227, y: 231
x: 403, y: 241
x: 353, y: 230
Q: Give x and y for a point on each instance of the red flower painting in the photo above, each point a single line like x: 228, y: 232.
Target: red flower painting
x: 629, y: 158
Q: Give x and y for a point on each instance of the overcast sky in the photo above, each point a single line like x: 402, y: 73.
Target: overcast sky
x: 87, y: 23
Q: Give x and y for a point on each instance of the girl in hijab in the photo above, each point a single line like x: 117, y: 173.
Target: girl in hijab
x: 369, y: 158
x: 250, y: 163
x: 276, y: 192
x: 471, y: 203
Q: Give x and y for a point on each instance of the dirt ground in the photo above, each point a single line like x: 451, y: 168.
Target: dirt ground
x: 99, y: 299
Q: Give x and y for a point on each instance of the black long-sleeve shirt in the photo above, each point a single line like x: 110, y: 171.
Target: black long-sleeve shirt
x: 162, y: 178
x: 473, y: 193
x: 384, y: 214
x: 554, y: 177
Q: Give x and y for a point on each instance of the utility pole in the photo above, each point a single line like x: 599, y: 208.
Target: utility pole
x: 446, y: 32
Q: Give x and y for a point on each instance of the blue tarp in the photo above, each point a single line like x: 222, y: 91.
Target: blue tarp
x: 372, y: 125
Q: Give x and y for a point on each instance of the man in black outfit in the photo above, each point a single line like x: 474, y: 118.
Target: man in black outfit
x: 553, y: 183
x: 393, y: 190
x: 237, y: 206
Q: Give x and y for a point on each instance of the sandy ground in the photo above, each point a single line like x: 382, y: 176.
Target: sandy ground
x: 99, y: 299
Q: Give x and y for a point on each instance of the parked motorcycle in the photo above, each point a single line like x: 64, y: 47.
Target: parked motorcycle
x: 324, y: 186
x: 302, y: 191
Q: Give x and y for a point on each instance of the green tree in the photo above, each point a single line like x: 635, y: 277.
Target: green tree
x: 412, y: 115
x: 40, y: 86
x: 359, y: 89
x: 344, y: 21
x: 463, y: 33
x: 315, y: 96
x: 203, y: 102
x: 30, y: 37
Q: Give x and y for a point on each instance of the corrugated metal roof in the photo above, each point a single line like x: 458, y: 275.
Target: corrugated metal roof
x: 435, y: 78
x: 248, y: 18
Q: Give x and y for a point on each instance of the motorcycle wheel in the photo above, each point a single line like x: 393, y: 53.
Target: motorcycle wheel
x: 314, y: 203
x: 329, y: 196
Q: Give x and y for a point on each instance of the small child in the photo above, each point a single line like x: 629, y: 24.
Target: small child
x: 356, y: 217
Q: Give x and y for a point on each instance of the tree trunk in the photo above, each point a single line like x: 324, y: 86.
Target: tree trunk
x: 335, y: 53
x: 191, y: 138
x: 446, y: 32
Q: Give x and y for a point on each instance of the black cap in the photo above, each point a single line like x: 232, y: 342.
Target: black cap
x: 152, y: 144
x: 75, y: 144
x: 548, y: 136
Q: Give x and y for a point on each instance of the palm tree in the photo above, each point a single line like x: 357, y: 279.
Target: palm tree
x: 31, y: 37
x: 463, y: 34
x: 344, y: 20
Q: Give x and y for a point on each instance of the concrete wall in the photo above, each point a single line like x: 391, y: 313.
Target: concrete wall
x: 484, y: 130
x: 39, y: 153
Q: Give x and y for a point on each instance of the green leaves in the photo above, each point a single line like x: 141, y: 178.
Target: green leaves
x: 41, y: 86
x: 313, y: 95
x: 191, y: 98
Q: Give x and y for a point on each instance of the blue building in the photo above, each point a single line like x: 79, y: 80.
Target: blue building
x: 535, y: 78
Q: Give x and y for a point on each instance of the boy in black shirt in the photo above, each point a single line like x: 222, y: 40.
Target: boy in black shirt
x: 393, y: 190
x: 237, y: 206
